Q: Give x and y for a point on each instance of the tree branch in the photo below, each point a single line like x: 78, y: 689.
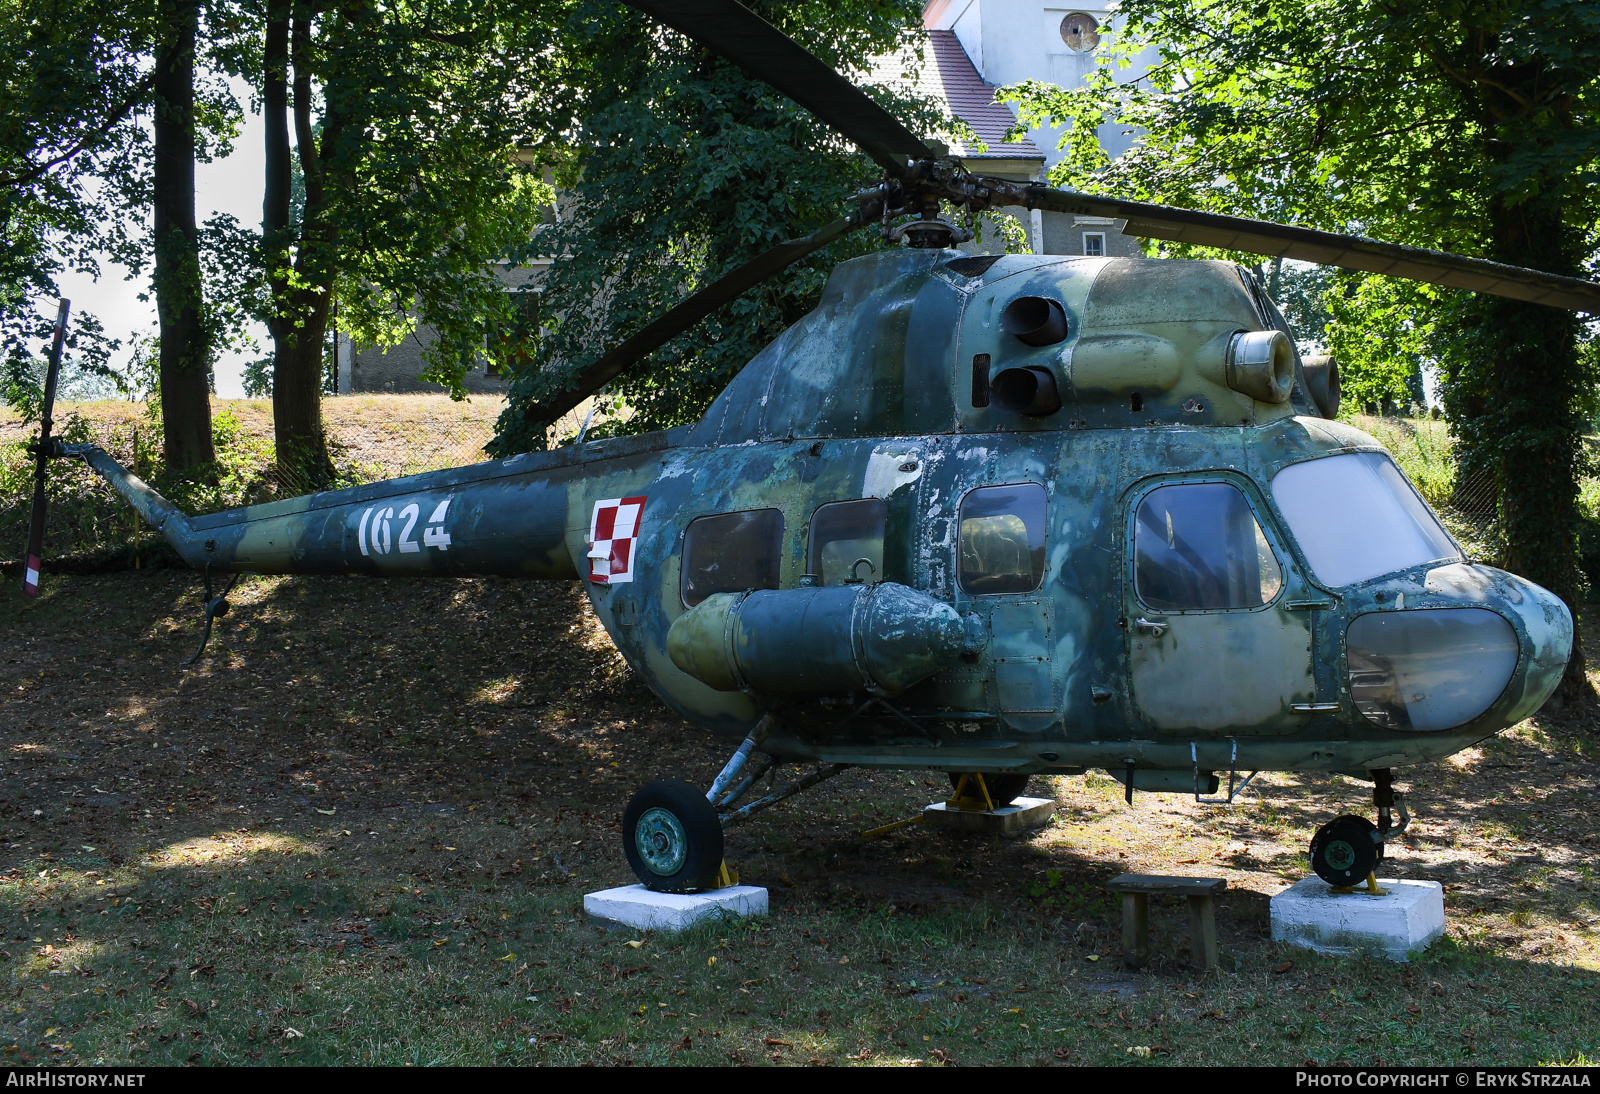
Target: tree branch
x: 112, y: 117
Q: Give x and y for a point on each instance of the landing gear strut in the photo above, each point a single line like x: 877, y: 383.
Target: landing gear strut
x: 1348, y: 849
x: 672, y: 833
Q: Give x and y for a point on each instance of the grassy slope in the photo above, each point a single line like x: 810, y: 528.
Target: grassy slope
x: 360, y: 831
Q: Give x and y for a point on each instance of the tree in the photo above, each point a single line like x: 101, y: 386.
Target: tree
x: 407, y: 120
x: 175, y: 241
x: 72, y: 162
x: 1466, y: 126
x: 679, y: 167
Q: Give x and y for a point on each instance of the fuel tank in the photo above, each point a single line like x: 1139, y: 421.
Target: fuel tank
x: 877, y: 638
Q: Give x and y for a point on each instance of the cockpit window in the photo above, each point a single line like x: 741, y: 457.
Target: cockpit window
x: 1197, y: 546
x: 1356, y: 517
x: 730, y: 553
x: 847, y: 541
x: 1002, y: 539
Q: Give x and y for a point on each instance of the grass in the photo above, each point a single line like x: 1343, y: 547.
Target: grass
x: 360, y: 831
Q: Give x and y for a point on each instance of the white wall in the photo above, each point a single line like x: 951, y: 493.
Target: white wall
x: 1010, y: 41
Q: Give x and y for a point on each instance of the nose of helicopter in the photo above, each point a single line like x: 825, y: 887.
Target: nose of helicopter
x: 1543, y: 626
x: 1546, y: 643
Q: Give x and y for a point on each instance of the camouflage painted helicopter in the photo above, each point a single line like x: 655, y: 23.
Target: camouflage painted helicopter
x: 991, y: 515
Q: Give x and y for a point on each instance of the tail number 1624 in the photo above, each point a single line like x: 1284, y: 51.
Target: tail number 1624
x: 376, y: 534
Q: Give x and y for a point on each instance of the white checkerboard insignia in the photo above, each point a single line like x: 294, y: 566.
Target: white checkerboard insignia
x: 613, y: 530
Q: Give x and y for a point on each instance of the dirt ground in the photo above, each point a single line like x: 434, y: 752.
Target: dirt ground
x: 390, y: 797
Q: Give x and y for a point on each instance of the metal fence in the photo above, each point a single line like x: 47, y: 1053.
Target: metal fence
x: 1467, y: 501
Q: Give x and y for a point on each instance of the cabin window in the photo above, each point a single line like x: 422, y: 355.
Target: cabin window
x: 730, y: 553
x: 847, y: 541
x: 1357, y: 517
x: 1002, y: 539
x: 1198, y: 546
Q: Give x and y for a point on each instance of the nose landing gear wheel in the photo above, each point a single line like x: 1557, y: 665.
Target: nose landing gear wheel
x: 1345, y: 850
x: 672, y: 837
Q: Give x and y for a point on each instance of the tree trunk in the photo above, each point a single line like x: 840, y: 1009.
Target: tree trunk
x: 301, y: 284
x: 185, y: 357
x: 1531, y: 354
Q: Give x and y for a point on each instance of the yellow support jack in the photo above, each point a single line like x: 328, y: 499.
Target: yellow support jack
x: 1371, y: 889
x: 959, y: 800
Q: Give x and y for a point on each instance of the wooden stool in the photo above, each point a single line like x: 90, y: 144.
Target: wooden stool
x: 1136, y: 890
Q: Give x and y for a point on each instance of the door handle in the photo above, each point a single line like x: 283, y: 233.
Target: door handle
x: 1155, y: 627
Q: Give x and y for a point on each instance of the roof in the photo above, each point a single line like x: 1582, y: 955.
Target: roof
x: 948, y: 75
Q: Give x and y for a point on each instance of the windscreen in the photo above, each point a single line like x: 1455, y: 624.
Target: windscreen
x: 1356, y: 517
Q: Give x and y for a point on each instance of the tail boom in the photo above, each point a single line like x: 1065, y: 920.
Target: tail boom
x: 505, y: 518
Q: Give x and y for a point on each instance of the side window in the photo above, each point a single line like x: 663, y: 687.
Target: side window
x: 1002, y: 539
x: 1197, y: 545
x: 730, y: 553
x: 842, y: 534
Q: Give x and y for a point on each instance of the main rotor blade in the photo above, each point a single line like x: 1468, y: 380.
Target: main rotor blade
x: 1263, y: 237
x: 768, y: 54
x: 34, y: 558
x: 687, y: 313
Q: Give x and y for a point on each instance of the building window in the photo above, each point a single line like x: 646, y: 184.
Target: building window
x: 1094, y: 244
x: 847, y: 541
x: 730, y: 553
x: 1002, y: 539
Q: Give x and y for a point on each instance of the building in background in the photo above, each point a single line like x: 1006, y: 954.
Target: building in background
x: 981, y: 45
x: 395, y: 369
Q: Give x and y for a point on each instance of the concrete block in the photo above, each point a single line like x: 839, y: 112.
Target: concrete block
x: 1022, y: 815
x: 1407, y: 918
x: 637, y: 907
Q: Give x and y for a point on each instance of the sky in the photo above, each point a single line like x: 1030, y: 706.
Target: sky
x: 232, y: 185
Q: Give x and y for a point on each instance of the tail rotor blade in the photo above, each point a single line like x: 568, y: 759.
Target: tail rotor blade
x: 42, y: 453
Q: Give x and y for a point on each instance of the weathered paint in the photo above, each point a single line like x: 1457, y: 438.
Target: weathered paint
x: 870, y: 396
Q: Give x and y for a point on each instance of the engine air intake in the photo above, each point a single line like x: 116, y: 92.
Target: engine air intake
x: 1035, y: 320
x: 1261, y: 365
x: 1030, y: 391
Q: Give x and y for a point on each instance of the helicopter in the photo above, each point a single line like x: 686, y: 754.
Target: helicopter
x: 991, y: 515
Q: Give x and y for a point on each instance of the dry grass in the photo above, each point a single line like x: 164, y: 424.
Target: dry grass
x: 361, y: 829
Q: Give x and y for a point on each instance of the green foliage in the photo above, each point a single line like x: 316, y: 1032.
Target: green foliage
x: 1381, y: 331
x: 1300, y: 292
x: 75, y: 168
x: 258, y: 379
x: 682, y: 168
x: 418, y: 187
x: 72, y: 163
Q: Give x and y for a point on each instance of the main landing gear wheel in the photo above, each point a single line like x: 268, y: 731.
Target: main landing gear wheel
x: 1003, y: 789
x: 672, y: 837
x: 1345, y: 850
